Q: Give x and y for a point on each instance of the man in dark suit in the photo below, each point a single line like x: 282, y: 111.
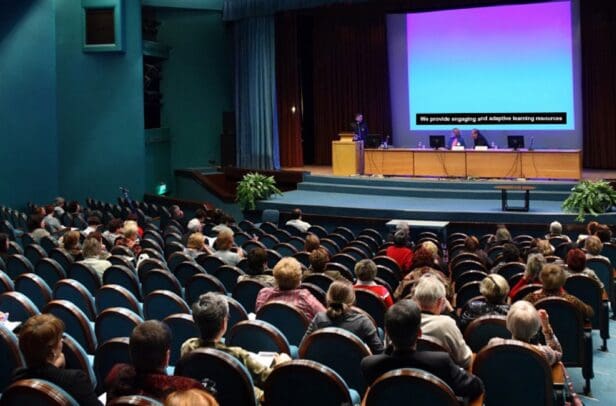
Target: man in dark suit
x: 478, y: 139
x: 402, y: 322
x: 359, y: 127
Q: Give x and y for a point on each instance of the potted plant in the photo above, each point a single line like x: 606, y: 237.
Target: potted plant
x: 253, y: 187
x: 590, y: 197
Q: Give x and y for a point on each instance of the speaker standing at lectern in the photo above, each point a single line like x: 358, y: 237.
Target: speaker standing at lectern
x: 359, y: 127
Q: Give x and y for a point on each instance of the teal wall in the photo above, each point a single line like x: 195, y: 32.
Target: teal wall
x: 197, y: 83
x: 28, y: 140
x: 99, y: 109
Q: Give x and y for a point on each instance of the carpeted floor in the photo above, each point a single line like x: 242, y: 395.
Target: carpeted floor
x: 604, y: 383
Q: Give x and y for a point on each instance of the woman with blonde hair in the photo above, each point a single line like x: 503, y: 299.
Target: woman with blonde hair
x: 191, y: 397
x: 340, y: 313
x: 196, y: 245
x: 224, y: 243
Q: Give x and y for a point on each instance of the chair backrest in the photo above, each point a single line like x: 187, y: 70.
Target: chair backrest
x: 185, y: 270
x: 303, y: 258
x: 228, y: 275
x: 183, y: 327
x: 344, y: 270
x: 122, y: 260
x: 237, y: 313
x: 18, y: 264
x: 76, y: 357
x: 246, y: 292
x: 210, y: 263
x: 269, y: 240
x: 115, y: 322
x: 525, y: 290
x: 482, y: 329
x: 123, y: 276
x: 177, y: 258
x: 270, y: 215
x: 514, y: 373
x: 320, y: 279
x: 18, y: 306
x: 161, y: 303
x: 469, y: 276
x: 285, y: 249
x: 288, y: 318
x: 134, y: 400
x: 428, y: 343
x: 467, y: 265
x: 373, y: 304
x: 159, y: 279
x: 202, y: 283
x: 48, y: 244
x: 409, y: 386
x: 86, y: 275
x: 10, y: 355
x: 272, y: 258
x: 37, y: 392
x: 116, y: 296
x: 110, y: 353
x: 148, y: 265
x: 50, y: 270
x: 234, y: 385
x: 258, y: 335
x: 75, y: 322
x: 603, y: 269
x: 317, y: 292
x: 61, y: 257
x: 510, y: 269
x: 34, y: 287
x: 344, y: 259
x: 76, y: 293
x: 34, y: 253
x: 6, y: 283
x: 296, y: 382
x: 588, y: 291
x: 340, y: 350
x: 568, y: 325
x: 466, y: 293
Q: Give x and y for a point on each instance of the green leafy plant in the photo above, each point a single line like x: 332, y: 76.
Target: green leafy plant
x: 588, y: 197
x: 253, y: 187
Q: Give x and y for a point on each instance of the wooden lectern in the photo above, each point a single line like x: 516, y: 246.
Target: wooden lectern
x: 347, y: 155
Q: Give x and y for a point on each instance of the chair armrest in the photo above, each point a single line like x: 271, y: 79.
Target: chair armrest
x: 478, y: 401
x: 558, y: 373
x: 469, y: 368
x: 604, y: 296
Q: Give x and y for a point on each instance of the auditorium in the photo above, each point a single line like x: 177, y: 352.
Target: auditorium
x: 300, y: 202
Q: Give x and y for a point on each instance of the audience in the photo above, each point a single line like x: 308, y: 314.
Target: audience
x: 92, y: 250
x: 195, y: 225
x: 501, y: 235
x: 400, y: 252
x: 430, y: 296
x: 130, y: 237
x: 223, y: 245
x: 94, y: 222
x: 402, y: 325
x: 257, y: 268
x: 366, y: 270
x: 191, y: 397
x: 524, y: 322
x: 196, y: 245
x: 71, y: 245
x: 318, y: 260
x: 604, y: 233
x: 556, y: 230
x: 4, y: 246
x: 494, y: 288
x: 593, y: 247
x: 40, y: 342
x: 149, y: 348
x: 534, y: 264
x: 312, y: 242
x: 297, y: 222
x: 114, y: 231
x: 510, y: 254
x: 472, y: 246
x: 553, y: 279
x: 340, y: 313
x: 576, y: 264
x: 544, y: 248
x: 35, y: 228
x: 288, y: 275
x: 50, y: 221
x: 211, y: 314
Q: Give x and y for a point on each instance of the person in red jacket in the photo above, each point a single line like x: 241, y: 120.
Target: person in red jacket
x: 400, y: 252
x: 365, y: 270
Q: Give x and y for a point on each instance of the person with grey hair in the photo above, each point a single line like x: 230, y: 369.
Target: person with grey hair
x: 494, y: 288
x: 556, y: 230
x: 534, y: 264
x: 429, y: 294
x: 400, y: 251
x: 524, y: 321
x: 211, y: 315
x: 91, y: 250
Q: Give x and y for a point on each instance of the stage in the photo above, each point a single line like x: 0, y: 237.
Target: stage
x: 456, y: 200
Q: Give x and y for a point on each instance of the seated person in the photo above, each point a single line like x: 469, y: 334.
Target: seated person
x: 534, y: 264
x: 94, y: 222
x: 51, y: 222
x: 556, y: 230
x: 71, y: 245
x: 576, y: 264
x: 402, y: 325
x: 130, y: 237
x: 365, y: 270
x: 312, y: 242
x: 405, y: 288
x: 524, y: 321
x: 604, y: 233
x: 40, y: 342
x: 35, y: 228
x: 434, y: 261
x: 340, y: 313
x: 92, y: 250
x: 288, y: 275
x: 196, y: 245
x: 544, y: 247
x: 553, y: 279
x: 195, y: 225
x: 4, y: 246
x: 495, y: 289
x: 593, y: 247
x: 472, y: 246
x: 297, y: 222
x: 224, y: 242
x: 211, y: 314
x: 510, y: 254
x: 257, y: 266
x: 501, y: 235
x: 429, y: 294
x: 114, y: 230
x: 456, y: 139
x: 149, y: 347
x: 191, y: 397
x: 318, y: 259
x: 478, y: 139
x: 400, y: 252
x: 133, y: 219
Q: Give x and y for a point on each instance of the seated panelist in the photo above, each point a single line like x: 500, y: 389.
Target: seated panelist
x: 456, y: 139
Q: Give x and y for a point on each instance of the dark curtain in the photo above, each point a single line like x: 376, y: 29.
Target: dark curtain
x: 288, y: 91
x: 350, y: 74
x: 599, y: 83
